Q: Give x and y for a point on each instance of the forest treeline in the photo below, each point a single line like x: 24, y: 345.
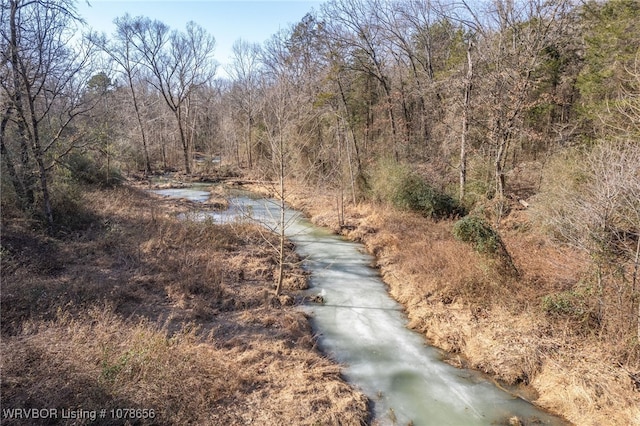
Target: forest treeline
x: 445, y: 107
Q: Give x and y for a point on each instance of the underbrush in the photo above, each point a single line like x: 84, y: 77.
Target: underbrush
x: 84, y: 168
x: 137, y: 309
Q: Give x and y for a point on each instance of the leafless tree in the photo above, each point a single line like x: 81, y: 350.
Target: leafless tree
x: 512, y: 37
x: 44, y: 73
x: 244, y: 72
x: 121, y: 49
x: 599, y: 213
x: 179, y: 63
x: 289, y: 119
x: 468, y: 84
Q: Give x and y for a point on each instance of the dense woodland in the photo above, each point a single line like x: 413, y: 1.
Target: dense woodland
x: 449, y: 108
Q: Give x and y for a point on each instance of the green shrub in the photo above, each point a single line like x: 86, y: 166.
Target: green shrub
x: 479, y: 234
x: 398, y: 185
x: 485, y: 240
x: 564, y: 303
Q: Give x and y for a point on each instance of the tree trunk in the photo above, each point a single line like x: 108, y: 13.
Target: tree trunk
x: 184, y: 141
x: 465, y: 123
x: 27, y: 182
x: 8, y: 161
x: 44, y: 186
x: 13, y: 175
x: 634, y: 282
x: 392, y: 119
x: 249, y: 142
x: 355, y: 146
x: 38, y: 154
x: 282, y: 217
x: 140, y: 124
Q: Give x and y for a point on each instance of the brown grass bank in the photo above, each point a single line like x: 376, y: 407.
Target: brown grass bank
x: 461, y: 303
x: 133, y: 308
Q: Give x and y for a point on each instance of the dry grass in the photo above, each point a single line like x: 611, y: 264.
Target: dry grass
x: 493, y: 322
x: 142, y: 310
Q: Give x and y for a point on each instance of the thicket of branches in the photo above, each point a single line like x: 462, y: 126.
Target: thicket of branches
x: 464, y: 94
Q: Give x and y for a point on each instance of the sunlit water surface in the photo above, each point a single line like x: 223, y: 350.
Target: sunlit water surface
x: 362, y: 328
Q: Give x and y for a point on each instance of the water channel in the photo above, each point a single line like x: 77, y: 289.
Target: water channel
x: 363, y: 329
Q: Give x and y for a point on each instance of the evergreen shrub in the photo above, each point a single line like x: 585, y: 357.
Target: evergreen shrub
x: 569, y: 303
x: 477, y: 232
x: 577, y: 305
x: 398, y: 185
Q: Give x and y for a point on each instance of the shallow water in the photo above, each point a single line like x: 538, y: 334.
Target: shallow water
x: 186, y: 193
x: 362, y: 328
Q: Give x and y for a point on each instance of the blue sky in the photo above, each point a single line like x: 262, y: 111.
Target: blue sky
x: 254, y: 21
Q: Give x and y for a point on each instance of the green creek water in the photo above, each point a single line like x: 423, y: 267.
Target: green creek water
x: 360, y: 326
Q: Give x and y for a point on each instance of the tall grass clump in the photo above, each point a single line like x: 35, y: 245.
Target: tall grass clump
x: 396, y: 184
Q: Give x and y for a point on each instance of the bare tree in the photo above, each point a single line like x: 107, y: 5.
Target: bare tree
x: 121, y: 49
x: 626, y: 121
x: 179, y: 63
x: 468, y: 84
x: 288, y: 119
x: 598, y: 212
x: 512, y: 37
x: 43, y: 78
x: 244, y: 70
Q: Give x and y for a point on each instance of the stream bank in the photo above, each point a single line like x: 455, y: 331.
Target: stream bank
x: 134, y: 308
x: 363, y: 329
x: 502, y: 333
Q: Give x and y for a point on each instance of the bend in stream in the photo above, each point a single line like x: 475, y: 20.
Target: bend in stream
x: 361, y: 327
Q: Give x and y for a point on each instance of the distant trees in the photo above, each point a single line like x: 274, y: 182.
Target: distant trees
x: 513, y: 39
x: 92, y: 160
x: 466, y: 93
x: 157, y: 63
x: 461, y: 93
x: 610, y: 60
x: 51, y: 78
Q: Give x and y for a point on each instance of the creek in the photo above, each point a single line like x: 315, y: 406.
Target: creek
x: 362, y: 328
